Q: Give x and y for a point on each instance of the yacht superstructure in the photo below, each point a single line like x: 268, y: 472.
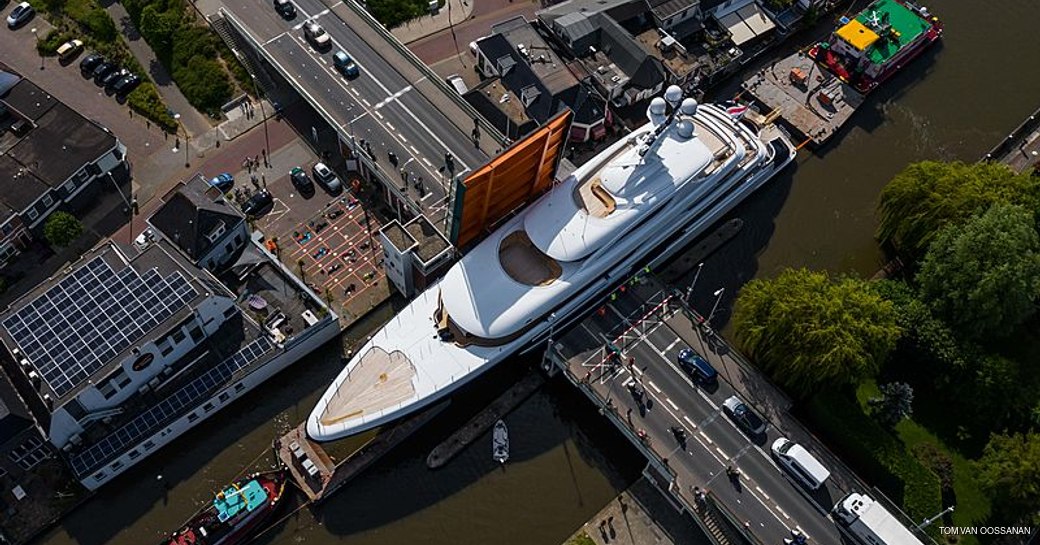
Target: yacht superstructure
x: 648, y: 194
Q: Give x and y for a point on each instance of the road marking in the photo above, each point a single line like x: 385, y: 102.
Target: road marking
x: 358, y: 117
x: 403, y: 139
x: 415, y: 151
x: 781, y: 511
x: 389, y: 126
x: 706, y: 438
x: 427, y: 196
x: 323, y: 61
x: 763, y: 492
x: 355, y: 91
x: 379, y: 115
x: 722, y: 453
x: 670, y: 402
x: 365, y: 100
x: 275, y: 39
x: 427, y: 161
x: 690, y: 422
x: 637, y: 370
x: 654, y: 386
x: 671, y: 346
x: 628, y: 382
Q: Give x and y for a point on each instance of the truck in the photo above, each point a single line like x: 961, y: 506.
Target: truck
x: 870, y: 523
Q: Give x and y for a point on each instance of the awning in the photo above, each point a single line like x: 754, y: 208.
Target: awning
x: 746, y: 23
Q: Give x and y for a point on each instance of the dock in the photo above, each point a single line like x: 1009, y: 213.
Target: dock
x: 809, y: 100
x: 453, y: 445
x: 319, y: 473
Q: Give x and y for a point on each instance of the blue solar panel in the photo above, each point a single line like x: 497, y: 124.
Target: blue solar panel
x: 75, y: 327
x: 170, y: 408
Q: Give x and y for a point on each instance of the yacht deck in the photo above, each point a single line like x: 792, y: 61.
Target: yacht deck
x: 525, y: 263
x: 379, y: 381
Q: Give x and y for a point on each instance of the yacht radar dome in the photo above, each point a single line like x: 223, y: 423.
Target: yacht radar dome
x: 689, y: 106
x: 657, y: 112
x: 673, y: 94
x: 684, y: 128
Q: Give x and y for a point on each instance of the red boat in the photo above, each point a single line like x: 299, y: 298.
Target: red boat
x: 877, y: 43
x: 235, y: 512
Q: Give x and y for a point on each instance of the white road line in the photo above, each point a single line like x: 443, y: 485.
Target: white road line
x: 355, y: 91
x: 706, y: 438
x: 275, y: 39
x: 628, y: 382
x: 427, y: 161
x: 690, y: 422
x: 671, y: 346
x: 722, y: 453
x: 415, y: 151
x: 365, y: 100
x: 323, y: 61
x: 637, y: 370
x: 763, y: 492
x: 654, y: 386
x: 781, y: 511
x: 403, y: 139
x: 672, y: 403
x: 379, y: 115
x: 426, y: 196
x: 389, y: 126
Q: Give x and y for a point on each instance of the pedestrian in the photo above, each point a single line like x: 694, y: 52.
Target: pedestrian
x: 256, y: 161
x: 245, y: 164
x: 263, y: 152
x: 255, y: 181
x: 263, y: 181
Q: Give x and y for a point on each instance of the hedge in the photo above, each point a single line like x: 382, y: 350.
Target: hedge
x: 878, y: 456
x: 146, y: 101
x: 49, y: 44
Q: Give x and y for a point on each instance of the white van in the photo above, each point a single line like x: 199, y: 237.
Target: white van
x: 803, y: 466
x: 456, y: 82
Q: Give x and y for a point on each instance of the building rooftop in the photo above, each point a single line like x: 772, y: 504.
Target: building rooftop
x: 28, y: 100
x: 674, y: 56
x: 188, y: 215
x: 544, y: 62
x: 19, y: 186
x: 492, y: 93
x: 61, y: 143
x: 664, y: 9
x: 431, y: 244
x: 79, y: 326
x: 14, y: 415
x: 895, y: 25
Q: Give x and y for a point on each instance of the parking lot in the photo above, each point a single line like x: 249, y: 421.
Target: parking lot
x: 328, y: 239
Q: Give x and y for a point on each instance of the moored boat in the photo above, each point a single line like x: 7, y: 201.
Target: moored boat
x: 871, y: 47
x: 234, y: 513
x: 500, y: 442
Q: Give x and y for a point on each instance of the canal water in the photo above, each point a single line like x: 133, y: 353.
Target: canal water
x: 955, y: 102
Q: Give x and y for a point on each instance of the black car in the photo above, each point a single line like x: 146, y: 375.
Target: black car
x: 285, y: 8
x: 90, y: 62
x: 20, y: 15
x: 745, y: 417
x: 103, y: 70
x: 258, y: 203
x: 113, y: 77
x: 697, y: 367
x: 126, y: 84
x: 301, y: 181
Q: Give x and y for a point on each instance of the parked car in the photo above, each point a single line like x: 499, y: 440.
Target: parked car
x: 697, y: 367
x: 113, y: 77
x: 285, y: 8
x: 258, y: 203
x: 90, y: 62
x: 316, y: 35
x: 68, y: 50
x: 327, y: 178
x: 456, y: 83
x: 20, y: 15
x: 345, y: 64
x: 104, y: 69
x: 300, y: 180
x: 745, y: 417
x: 223, y: 182
x: 126, y: 84
x: 802, y: 465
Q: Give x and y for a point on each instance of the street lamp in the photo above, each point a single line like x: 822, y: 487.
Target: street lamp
x: 263, y: 112
x: 689, y: 290
x: 37, y: 36
x: 927, y: 522
x: 718, y: 298
x: 177, y: 118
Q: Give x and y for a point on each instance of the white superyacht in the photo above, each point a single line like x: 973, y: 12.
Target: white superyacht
x: 641, y: 199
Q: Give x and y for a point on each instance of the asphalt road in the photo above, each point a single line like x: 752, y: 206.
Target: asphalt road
x: 382, y: 106
x: 766, y: 498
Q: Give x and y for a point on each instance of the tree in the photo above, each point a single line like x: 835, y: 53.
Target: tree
x: 157, y: 28
x: 929, y: 195
x: 1009, y: 470
x: 807, y: 329
x: 928, y: 349
x: 61, y: 229
x: 983, y: 276
x: 894, y: 404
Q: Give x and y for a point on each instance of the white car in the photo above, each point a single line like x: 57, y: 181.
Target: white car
x: 70, y: 49
x: 327, y: 178
x: 316, y: 35
x: 745, y: 417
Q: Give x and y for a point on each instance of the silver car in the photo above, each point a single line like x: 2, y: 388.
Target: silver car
x: 327, y: 178
x: 745, y: 417
x: 317, y: 35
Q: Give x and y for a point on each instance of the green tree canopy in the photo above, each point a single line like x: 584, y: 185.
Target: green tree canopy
x: 61, y: 229
x: 895, y: 403
x: 807, y: 329
x: 928, y: 195
x: 983, y: 276
x: 927, y: 344
x: 1009, y: 470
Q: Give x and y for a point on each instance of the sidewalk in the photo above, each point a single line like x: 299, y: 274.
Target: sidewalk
x: 639, y: 515
x: 419, y: 28
x: 194, y: 122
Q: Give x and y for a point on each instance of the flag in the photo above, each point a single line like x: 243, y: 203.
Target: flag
x: 735, y: 109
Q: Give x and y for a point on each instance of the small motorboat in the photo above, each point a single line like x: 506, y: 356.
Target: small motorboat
x: 500, y: 443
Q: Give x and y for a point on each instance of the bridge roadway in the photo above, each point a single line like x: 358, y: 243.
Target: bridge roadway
x: 766, y: 498
x: 391, y: 105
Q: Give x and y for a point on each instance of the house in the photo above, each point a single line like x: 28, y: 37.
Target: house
x: 619, y: 68
x: 679, y: 19
x: 201, y: 223
x: 745, y: 20
x: 132, y: 346
x: 51, y: 157
x: 536, y: 79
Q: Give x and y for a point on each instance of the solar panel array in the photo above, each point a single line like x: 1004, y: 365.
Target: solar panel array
x: 78, y: 325
x: 168, y: 409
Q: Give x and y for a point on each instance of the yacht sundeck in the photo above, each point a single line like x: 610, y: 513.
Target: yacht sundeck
x: 649, y: 194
